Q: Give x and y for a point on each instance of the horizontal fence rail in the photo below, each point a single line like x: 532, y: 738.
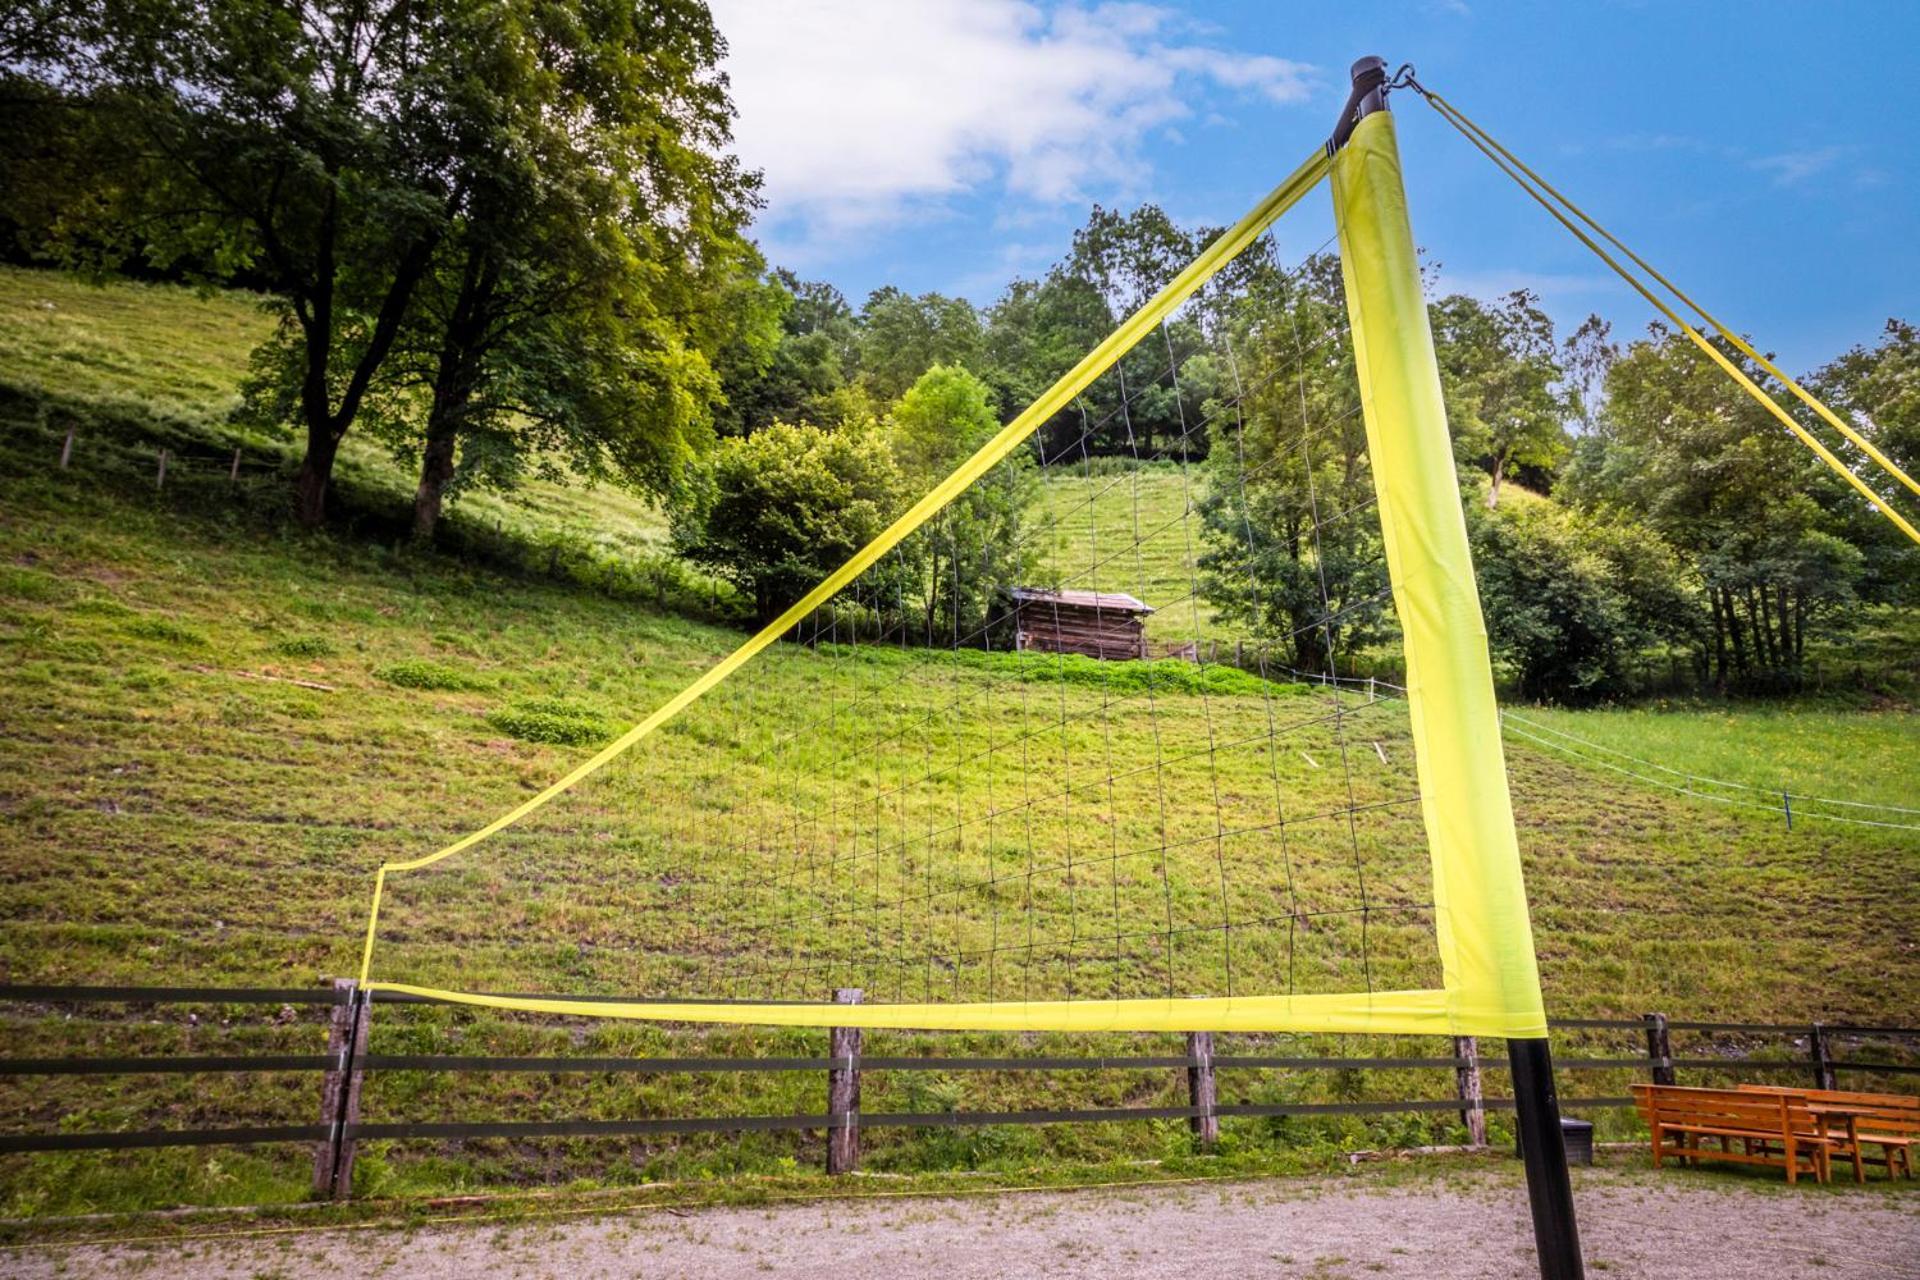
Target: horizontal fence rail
x: 345, y: 1067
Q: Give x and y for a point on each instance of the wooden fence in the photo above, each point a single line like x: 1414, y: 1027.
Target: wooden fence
x: 345, y: 1066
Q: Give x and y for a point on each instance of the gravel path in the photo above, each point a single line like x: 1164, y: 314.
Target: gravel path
x: 1468, y: 1224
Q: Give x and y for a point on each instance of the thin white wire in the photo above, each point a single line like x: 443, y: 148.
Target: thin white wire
x: 1705, y: 795
x: 1694, y: 777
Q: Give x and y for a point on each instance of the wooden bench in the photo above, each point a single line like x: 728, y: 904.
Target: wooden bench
x: 1773, y: 1129
x: 1890, y: 1121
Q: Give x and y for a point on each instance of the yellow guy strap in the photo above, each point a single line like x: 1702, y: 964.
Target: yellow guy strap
x: 1459, y: 120
x: 1216, y: 255
x: 1505, y: 161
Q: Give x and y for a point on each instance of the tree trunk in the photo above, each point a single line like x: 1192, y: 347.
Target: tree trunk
x: 1719, y: 642
x: 1499, y: 474
x: 1765, y: 625
x: 315, y: 475
x: 1733, y: 631
x: 1758, y: 634
x: 436, y: 468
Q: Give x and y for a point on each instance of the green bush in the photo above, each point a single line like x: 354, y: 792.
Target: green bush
x: 163, y: 631
x: 551, y: 720
x: 305, y: 647
x: 418, y: 673
x: 31, y: 584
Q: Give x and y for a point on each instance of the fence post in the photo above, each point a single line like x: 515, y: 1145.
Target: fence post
x: 1659, y: 1048
x: 843, y: 1092
x: 1201, y: 1093
x: 1466, y: 1085
x: 340, y: 1092
x: 1822, y: 1051
x: 66, y: 449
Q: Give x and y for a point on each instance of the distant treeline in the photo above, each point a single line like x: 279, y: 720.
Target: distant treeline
x: 511, y: 238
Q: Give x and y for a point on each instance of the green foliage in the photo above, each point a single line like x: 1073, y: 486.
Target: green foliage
x: 551, y: 720
x: 525, y: 207
x: 1287, y: 560
x: 1776, y: 544
x: 777, y: 511
x: 164, y: 631
x: 310, y: 647
x: 1501, y: 376
x: 902, y: 336
x: 421, y: 673
x: 1569, y: 601
x: 959, y: 568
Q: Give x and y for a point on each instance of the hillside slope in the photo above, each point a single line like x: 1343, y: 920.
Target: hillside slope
x: 216, y: 728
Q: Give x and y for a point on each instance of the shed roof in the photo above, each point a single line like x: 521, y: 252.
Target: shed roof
x: 1116, y: 601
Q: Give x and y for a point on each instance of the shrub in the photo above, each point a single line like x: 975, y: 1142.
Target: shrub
x: 418, y: 673
x: 305, y: 647
x: 551, y: 720
x: 32, y: 584
x: 166, y: 632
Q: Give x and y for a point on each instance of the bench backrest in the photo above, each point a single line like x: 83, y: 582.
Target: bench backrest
x: 1723, y: 1108
x: 1902, y: 1122
x: 1842, y: 1096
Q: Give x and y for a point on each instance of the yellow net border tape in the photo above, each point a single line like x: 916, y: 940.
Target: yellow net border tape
x: 1223, y: 250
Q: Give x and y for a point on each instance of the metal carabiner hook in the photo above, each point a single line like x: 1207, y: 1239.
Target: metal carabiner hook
x: 1403, y: 79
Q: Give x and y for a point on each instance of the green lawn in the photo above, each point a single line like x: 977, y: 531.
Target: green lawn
x: 217, y: 727
x: 1866, y: 757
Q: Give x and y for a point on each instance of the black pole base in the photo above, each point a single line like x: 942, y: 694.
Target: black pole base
x: 1544, y: 1150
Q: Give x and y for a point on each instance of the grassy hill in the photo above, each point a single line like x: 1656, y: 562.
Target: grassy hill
x: 172, y: 360
x: 216, y: 728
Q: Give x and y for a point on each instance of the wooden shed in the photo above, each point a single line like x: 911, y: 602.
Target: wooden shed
x: 1099, y: 624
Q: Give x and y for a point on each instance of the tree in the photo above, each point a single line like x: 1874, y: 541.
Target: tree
x: 1498, y: 368
x: 806, y: 373
x: 579, y: 294
x: 1587, y: 356
x: 902, y: 336
x: 776, y: 511
x: 1293, y: 553
x: 1570, y: 601
x: 972, y: 553
x: 304, y: 140
x: 350, y: 152
x: 1755, y: 516
x: 1035, y: 332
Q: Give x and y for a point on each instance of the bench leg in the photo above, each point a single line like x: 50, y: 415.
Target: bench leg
x: 1659, y: 1144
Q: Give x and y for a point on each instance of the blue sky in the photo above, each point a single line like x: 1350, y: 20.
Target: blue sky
x: 1764, y: 154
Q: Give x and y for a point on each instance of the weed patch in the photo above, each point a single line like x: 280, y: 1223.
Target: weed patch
x: 554, y: 721
x: 305, y: 647
x: 418, y: 673
x: 164, y: 631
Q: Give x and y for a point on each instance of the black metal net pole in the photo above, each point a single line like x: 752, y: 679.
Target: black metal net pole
x: 1543, y: 1149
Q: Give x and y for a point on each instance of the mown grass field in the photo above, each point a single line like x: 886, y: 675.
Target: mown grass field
x: 175, y: 809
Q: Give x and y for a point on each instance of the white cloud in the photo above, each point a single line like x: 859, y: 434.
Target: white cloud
x: 1790, y: 168
x: 863, y: 113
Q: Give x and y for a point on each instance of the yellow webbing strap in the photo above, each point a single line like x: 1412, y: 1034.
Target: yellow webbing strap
x: 1216, y: 255
x: 1500, y: 158
x: 1460, y: 119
